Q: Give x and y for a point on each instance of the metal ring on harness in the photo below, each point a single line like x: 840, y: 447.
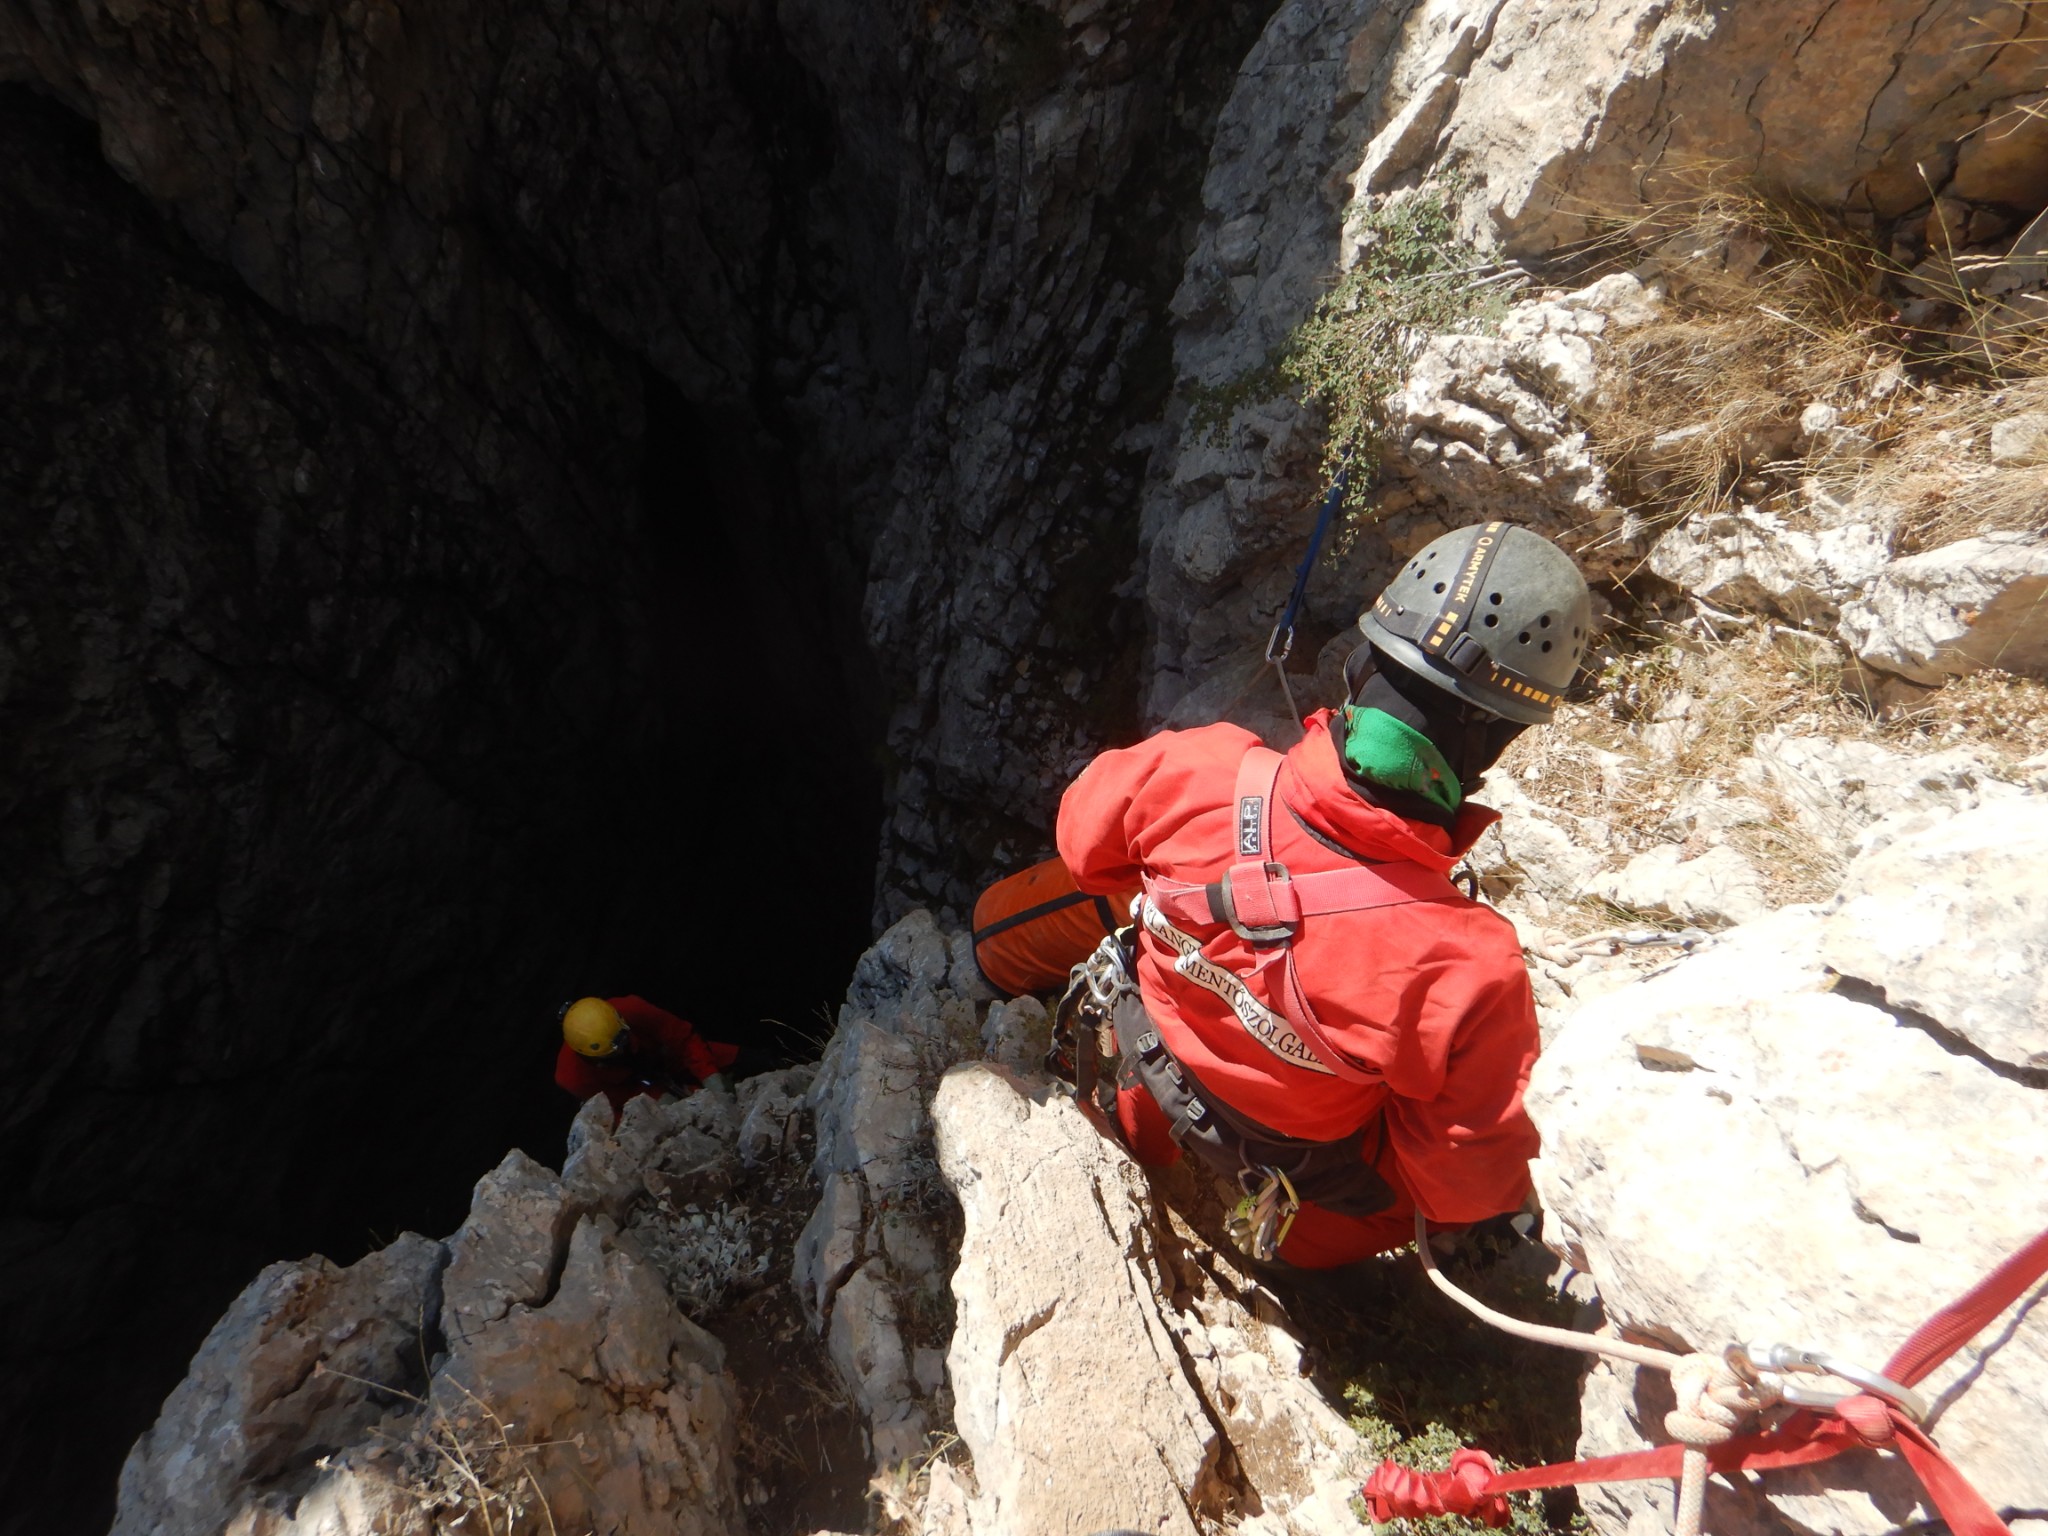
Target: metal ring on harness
x: 1260, y: 1222
x: 1094, y: 988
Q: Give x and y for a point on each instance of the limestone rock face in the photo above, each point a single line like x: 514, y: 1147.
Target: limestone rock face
x: 274, y: 1378
x: 542, y: 1343
x: 870, y: 1264
x: 2020, y: 441
x: 1556, y: 116
x: 1487, y: 422
x: 1855, y: 795
x: 1225, y: 513
x: 1951, y: 611
x: 1089, y: 1398
x: 770, y: 1105
x: 1030, y: 1336
x: 421, y: 350
x: 1564, y: 113
x: 1952, y: 922
x: 1738, y: 1149
x: 630, y: 1395
x: 1751, y: 561
x: 1530, y: 847
x: 1713, y: 890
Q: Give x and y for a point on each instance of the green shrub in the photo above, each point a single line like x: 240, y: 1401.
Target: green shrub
x: 1415, y: 277
x: 1422, y: 1377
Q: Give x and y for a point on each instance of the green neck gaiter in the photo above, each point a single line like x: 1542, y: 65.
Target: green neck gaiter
x: 1394, y: 755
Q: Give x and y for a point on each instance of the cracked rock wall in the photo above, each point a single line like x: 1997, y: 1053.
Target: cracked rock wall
x: 1554, y: 117
x: 1753, y: 1146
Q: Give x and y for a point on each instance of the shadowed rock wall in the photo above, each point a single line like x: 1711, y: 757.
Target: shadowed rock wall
x: 488, y: 468
x: 344, y: 732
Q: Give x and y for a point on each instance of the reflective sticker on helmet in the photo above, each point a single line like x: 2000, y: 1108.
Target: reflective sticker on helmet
x: 1260, y: 1022
x: 1450, y: 619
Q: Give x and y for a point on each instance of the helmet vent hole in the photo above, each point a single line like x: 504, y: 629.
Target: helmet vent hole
x: 1577, y: 631
x: 1522, y: 638
x: 1546, y: 645
x: 1438, y: 587
x: 1492, y: 619
x: 1544, y: 622
x: 1493, y: 598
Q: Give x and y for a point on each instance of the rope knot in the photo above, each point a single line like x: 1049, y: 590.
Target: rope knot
x: 1397, y: 1492
x: 1712, y: 1401
x: 1869, y: 1417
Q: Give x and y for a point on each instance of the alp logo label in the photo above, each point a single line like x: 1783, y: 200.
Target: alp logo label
x: 1251, y: 812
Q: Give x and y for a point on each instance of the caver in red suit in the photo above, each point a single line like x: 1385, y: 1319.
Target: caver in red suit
x: 661, y: 1054
x: 1431, y: 997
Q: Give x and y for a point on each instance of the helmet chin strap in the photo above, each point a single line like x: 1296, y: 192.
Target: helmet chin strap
x: 1471, y: 739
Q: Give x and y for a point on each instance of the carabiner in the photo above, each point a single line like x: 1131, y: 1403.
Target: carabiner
x: 1750, y: 1360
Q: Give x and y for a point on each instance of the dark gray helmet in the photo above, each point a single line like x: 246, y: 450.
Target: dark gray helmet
x: 1493, y: 613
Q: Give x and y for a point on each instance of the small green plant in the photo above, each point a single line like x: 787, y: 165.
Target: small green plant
x: 1415, y: 277
x: 1431, y: 1451
x: 1423, y: 1377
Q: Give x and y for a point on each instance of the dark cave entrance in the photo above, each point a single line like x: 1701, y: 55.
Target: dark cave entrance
x: 739, y: 854
x: 730, y: 879
x: 310, y: 1006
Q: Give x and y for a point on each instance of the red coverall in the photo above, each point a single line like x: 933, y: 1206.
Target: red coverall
x: 1433, y: 997
x: 664, y: 1054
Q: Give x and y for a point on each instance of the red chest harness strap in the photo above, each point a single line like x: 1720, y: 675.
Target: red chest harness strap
x: 1264, y: 904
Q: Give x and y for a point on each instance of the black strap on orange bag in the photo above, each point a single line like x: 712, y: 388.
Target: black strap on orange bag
x: 1033, y: 928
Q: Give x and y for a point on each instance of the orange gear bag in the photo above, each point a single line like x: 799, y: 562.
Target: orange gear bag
x: 1034, y: 927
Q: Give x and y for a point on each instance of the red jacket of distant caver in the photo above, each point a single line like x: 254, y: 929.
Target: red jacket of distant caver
x: 1431, y: 997
x: 664, y: 1054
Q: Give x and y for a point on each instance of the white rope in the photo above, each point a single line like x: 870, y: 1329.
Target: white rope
x: 1538, y: 1333
x: 1712, y: 1400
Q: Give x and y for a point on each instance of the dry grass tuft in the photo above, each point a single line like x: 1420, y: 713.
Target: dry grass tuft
x: 1937, y: 470
x: 2002, y: 717
x: 1774, y: 309
x: 899, y: 1493
x: 1669, y: 723
x: 461, y: 1464
x: 1666, y: 732
x: 1771, y: 307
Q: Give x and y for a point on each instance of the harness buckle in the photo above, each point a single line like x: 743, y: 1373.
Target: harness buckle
x: 1275, y: 894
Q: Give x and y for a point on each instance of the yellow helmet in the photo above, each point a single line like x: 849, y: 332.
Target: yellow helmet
x: 593, y: 1027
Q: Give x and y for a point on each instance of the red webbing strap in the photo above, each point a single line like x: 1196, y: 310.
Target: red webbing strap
x: 1473, y: 1486
x: 1324, y: 891
x: 1259, y: 773
x: 1263, y: 896
x: 1316, y: 894
x: 1258, y: 781
x: 1965, y: 1317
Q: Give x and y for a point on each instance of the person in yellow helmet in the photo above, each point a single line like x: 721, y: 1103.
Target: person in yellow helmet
x: 625, y: 1046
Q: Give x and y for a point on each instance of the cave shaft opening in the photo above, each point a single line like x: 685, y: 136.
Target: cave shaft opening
x: 330, y: 771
